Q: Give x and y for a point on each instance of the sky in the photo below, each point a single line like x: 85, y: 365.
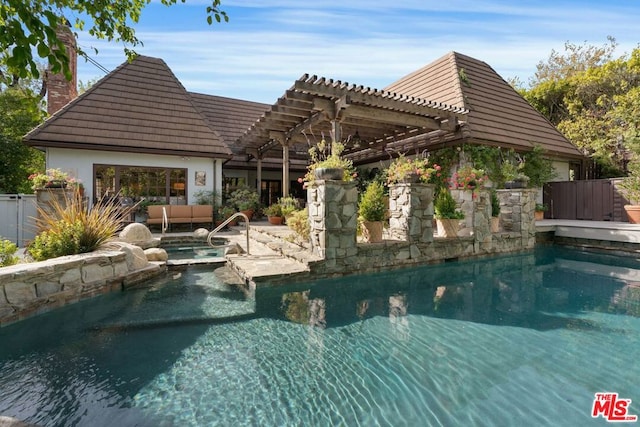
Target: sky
x: 268, y: 44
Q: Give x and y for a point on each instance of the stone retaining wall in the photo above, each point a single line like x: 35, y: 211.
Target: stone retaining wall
x: 32, y: 288
x: 333, y: 228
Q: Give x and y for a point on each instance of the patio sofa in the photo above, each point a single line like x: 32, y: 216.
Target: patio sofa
x: 180, y: 214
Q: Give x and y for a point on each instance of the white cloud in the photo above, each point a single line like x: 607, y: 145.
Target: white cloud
x: 269, y: 44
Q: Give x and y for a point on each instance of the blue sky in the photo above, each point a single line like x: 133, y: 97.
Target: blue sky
x: 267, y: 45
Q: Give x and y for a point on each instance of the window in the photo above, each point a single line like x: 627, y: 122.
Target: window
x: 164, y: 185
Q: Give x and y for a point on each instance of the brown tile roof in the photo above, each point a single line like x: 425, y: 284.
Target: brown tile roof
x: 139, y: 107
x: 228, y: 116
x: 497, y: 114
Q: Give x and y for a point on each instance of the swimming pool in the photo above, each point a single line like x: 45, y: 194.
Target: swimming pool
x: 512, y: 340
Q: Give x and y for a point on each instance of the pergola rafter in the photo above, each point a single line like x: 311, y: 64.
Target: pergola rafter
x: 381, y: 120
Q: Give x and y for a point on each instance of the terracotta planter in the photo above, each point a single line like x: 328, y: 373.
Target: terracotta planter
x: 334, y: 174
x: 248, y: 213
x: 275, y: 220
x: 372, y: 231
x: 448, y: 227
x: 539, y: 215
x: 495, y: 224
x: 633, y: 213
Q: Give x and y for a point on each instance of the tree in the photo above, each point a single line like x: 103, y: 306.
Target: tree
x: 577, y: 58
x: 591, y: 98
x: 29, y: 25
x: 20, y: 111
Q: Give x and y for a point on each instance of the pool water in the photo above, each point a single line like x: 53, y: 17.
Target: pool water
x: 512, y: 340
x: 194, y: 252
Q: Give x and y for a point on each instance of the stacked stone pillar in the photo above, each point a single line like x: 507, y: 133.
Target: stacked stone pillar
x: 333, y: 218
x: 517, y: 213
x: 411, y: 212
x: 476, y: 206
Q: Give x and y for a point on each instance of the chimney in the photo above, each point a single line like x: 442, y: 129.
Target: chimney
x: 61, y: 91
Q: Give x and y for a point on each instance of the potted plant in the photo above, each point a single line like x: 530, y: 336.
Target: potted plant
x: 630, y: 187
x: 274, y: 214
x: 225, y: 212
x: 495, y: 212
x: 512, y: 175
x: 288, y: 205
x: 539, y: 211
x: 447, y: 214
x: 52, y: 178
x: 327, y: 163
x: 406, y: 170
x: 245, y: 199
x: 371, y: 212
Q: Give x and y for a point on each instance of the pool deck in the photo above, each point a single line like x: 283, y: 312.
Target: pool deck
x: 273, y: 258
x: 605, y: 231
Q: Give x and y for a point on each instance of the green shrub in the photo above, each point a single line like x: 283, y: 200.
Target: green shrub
x: 7, y: 251
x: 445, y: 206
x: 495, y: 203
x: 298, y: 221
x: 371, y: 206
x: 288, y: 205
x: 244, y: 198
x: 70, y: 228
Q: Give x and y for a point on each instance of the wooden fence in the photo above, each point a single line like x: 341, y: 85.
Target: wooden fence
x: 589, y: 200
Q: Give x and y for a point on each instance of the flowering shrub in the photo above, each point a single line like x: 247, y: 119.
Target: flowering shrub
x: 402, y: 169
x: 43, y: 180
x: 468, y: 178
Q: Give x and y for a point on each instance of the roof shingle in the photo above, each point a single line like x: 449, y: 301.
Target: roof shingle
x: 497, y: 114
x: 139, y: 107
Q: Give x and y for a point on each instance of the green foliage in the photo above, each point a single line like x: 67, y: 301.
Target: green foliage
x: 20, y: 111
x: 29, y: 28
x: 576, y: 59
x: 298, y: 221
x: 206, y: 197
x: 69, y: 228
x: 371, y: 206
x: 631, y: 184
x: 273, y: 210
x: 7, y: 253
x: 537, y: 167
x: 540, y: 207
x: 329, y: 155
x: 445, y: 206
x: 244, y: 198
x: 288, y: 205
x: 403, y: 167
x: 495, y: 203
x: 593, y: 100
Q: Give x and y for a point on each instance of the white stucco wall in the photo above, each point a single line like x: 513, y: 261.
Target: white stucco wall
x: 562, y: 170
x: 79, y: 163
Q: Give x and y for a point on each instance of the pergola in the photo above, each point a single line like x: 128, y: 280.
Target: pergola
x: 372, y: 123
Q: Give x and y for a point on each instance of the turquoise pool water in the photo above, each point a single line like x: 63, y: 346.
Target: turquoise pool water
x: 515, y: 340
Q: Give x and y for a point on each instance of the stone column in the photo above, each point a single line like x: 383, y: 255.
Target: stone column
x: 476, y: 206
x: 517, y: 213
x: 482, y: 235
x: 411, y: 212
x: 333, y: 217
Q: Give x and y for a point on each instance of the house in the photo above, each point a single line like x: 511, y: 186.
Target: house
x: 139, y: 132
x: 497, y: 114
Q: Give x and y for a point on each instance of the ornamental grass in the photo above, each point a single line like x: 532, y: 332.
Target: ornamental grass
x: 71, y: 228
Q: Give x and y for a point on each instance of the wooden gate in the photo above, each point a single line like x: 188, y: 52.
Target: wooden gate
x: 590, y: 200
